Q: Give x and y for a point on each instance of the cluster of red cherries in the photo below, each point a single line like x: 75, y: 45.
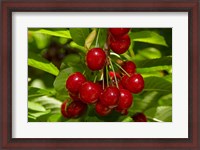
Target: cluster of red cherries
x: 114, y: 94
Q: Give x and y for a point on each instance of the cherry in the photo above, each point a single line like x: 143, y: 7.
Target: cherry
x: 124, y: 81
x: 135, y: 83
x: 75, y: 96
x: 129, y: 67
x: 89, y: 92
x: 110, y: 97
x: 101, y: 109
x: 139, y: 117
x: 76, y: 109
x: 64, y: 109
x: 74, y: 82
x: 120, y: 45
x: 125, y: 99
x: 119, y: 31
x: 96, y: 59
x: 113, y: 74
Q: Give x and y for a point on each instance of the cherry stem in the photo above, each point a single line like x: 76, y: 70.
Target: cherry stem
x: 97, y: 38
x: 103, y: 83
x: 107, y: 75
x: 122, y: 69
x: 84, y: 72
x: 114, y: 72
x: 95, y: 78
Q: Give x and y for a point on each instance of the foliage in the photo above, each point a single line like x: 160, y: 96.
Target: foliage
x: 55, y: 53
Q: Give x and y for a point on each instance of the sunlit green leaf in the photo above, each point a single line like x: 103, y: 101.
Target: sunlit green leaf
x: 162, y: 113
x: 59, y: 33
x: 157, y: 84
x: 38, y: 62
x: 54, y: 118
x: 37, y: 92
x: 35, y: 106
x: 38, y: 114
x: 148, y: 37
x: 90, y: 38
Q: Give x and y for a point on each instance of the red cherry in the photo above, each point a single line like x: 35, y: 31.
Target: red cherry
x: 129, y: 67
x: 135, y: 83
x: 101, y: 109
x: 96, y: 59
x: 139, y: 117
x: 89, y: 92
x: 76, y: 109
x: 120, y: 45
x: 113, y: 74
x: 74, y: 97
x: 64, y: 109
x: 125, y: 99
x: 110, y: 97
x: 119, y: 31
x: 124, y: 81
x: 74, y: 82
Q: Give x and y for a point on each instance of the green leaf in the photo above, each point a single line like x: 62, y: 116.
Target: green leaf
x: 161, y: 113
x: 37, y: 92
x: 38, y: 62
x: 102, y: 37
x: 39, y: 114
x: 157, y: 84
x: 35, y: 106
x: 79, y: 35
x: 70, y: 61
x: 143, y: 102
x: 59, y: 33
x: 152, y: 69
x: 127, y: 119
x: 90, y: 38
x: 148, y: 37
x: 46, y: 102
x: 165, y: 100
x: 164, y: 61
x: 54, y: 118
x: 150, y: 53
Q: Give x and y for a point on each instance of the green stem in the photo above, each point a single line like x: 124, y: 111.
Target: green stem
x: 107, y: 75
x: 97, y: 39
x: 114, y: 72
x: 122, y: 69
x: 131, y: 49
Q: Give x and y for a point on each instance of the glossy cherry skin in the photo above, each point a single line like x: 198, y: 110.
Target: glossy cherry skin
x: 119, y: 31
x: 76, y: 109
x: 139, y: 117
x: 124, y: 81
x: 125, y: 99
x: 101, y: 109
x: 110, y: 97
x: 89, y: 92
x: 129, y: 67
x: 96, y: 59
x: 74, y: 82
x: 64, y: 109
x: 119, y: 45
x: 135, y: 83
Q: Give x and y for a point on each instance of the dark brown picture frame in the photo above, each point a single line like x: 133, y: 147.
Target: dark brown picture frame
x: 9, y: 6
